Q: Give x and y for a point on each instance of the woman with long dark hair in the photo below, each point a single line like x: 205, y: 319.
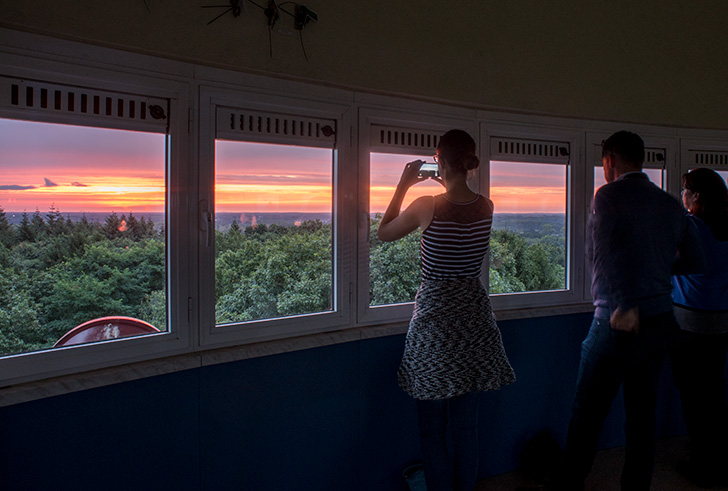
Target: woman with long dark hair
x: 453, y: 347
x: 701, y: 307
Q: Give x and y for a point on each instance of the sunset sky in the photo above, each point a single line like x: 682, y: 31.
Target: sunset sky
x: 79, y: 168
x: 515, y: 187
x: 258, y: 178
x: 101, y: 170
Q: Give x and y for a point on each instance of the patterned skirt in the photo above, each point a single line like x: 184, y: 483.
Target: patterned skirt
x: 453, y: 345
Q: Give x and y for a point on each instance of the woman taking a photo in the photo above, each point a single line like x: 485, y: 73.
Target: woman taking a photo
x: 453, y: 347
x: 701, y: 308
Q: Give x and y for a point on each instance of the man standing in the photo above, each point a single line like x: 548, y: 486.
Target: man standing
x: 637, y: 231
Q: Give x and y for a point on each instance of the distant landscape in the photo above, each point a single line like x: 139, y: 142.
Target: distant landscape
x: 244, y: 219
x: 222, y: 220
x: 16, y: 217
x: 529, y: 225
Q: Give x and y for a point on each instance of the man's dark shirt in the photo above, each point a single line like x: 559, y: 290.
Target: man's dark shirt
x: 636, y: 232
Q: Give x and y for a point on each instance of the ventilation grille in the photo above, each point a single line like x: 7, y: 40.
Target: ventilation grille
x: 390, y: 138
x: 703, y: 158
x: 67, y: 102
x: 516, y: 149
x: 237, y: 124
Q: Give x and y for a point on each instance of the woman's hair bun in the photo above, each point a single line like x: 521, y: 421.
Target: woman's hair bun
x: 458, y: 149
x: 471, y: 161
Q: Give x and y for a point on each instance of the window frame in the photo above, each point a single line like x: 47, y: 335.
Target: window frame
x: 575, y: 217
x: 64, y: 360
x: 213, y: 97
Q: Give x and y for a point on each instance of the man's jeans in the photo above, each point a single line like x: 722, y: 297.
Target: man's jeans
x: 443, y: 471
x: 609, y: 359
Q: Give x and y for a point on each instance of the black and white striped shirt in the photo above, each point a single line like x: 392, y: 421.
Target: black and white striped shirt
x: 457, y: 240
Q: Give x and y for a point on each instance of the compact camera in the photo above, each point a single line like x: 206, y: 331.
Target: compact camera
x: 429, y: 170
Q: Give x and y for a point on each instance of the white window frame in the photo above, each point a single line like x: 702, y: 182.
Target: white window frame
x: 408, y: 133
x: 261, y: 103
x: 575, y: 217
x: 74, y: 77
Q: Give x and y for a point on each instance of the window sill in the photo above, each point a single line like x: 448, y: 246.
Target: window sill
x: 31, y: 391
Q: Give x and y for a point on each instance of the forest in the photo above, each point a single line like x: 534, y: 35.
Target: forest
x: 57, y: 273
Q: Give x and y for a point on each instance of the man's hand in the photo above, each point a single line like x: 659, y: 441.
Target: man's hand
x: 628, y: 321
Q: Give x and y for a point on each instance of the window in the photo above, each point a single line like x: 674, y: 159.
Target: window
x: 272, y: 238
x: 528, y: 242
x: 273, y: 231
x: 528, y: 186
x: 83, y: 234
x: 535, y: 231
x: 88, y: 241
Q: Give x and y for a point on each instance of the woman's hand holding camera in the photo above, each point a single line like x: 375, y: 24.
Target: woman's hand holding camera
x: 411, y: 174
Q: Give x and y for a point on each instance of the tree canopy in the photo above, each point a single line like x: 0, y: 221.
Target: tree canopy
x: 57, y: 273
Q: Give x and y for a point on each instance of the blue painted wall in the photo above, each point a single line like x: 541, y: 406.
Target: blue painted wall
x: 330, y: 418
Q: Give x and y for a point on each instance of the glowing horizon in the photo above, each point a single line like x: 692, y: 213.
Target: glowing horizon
x: 516, y: 187
x: 77, y: 169
x: 524, y: 187
x: 270, y: 178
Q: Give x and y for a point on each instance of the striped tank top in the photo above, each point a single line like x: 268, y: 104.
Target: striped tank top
x: 457, y: 240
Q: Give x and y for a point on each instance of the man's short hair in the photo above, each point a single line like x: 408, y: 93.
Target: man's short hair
x: 627, y: 145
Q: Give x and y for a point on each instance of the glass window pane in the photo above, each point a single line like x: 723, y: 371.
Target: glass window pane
x: 528, y: 242
x: 394, y: 267
x: 82, y: 234
x: 273, y: 231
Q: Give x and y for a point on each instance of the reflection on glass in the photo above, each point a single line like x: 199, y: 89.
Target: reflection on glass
x: 273, y: 231
x: 528, y: 242
x: 82, y: 241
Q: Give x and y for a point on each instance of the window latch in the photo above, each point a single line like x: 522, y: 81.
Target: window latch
x: 206, y: 222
